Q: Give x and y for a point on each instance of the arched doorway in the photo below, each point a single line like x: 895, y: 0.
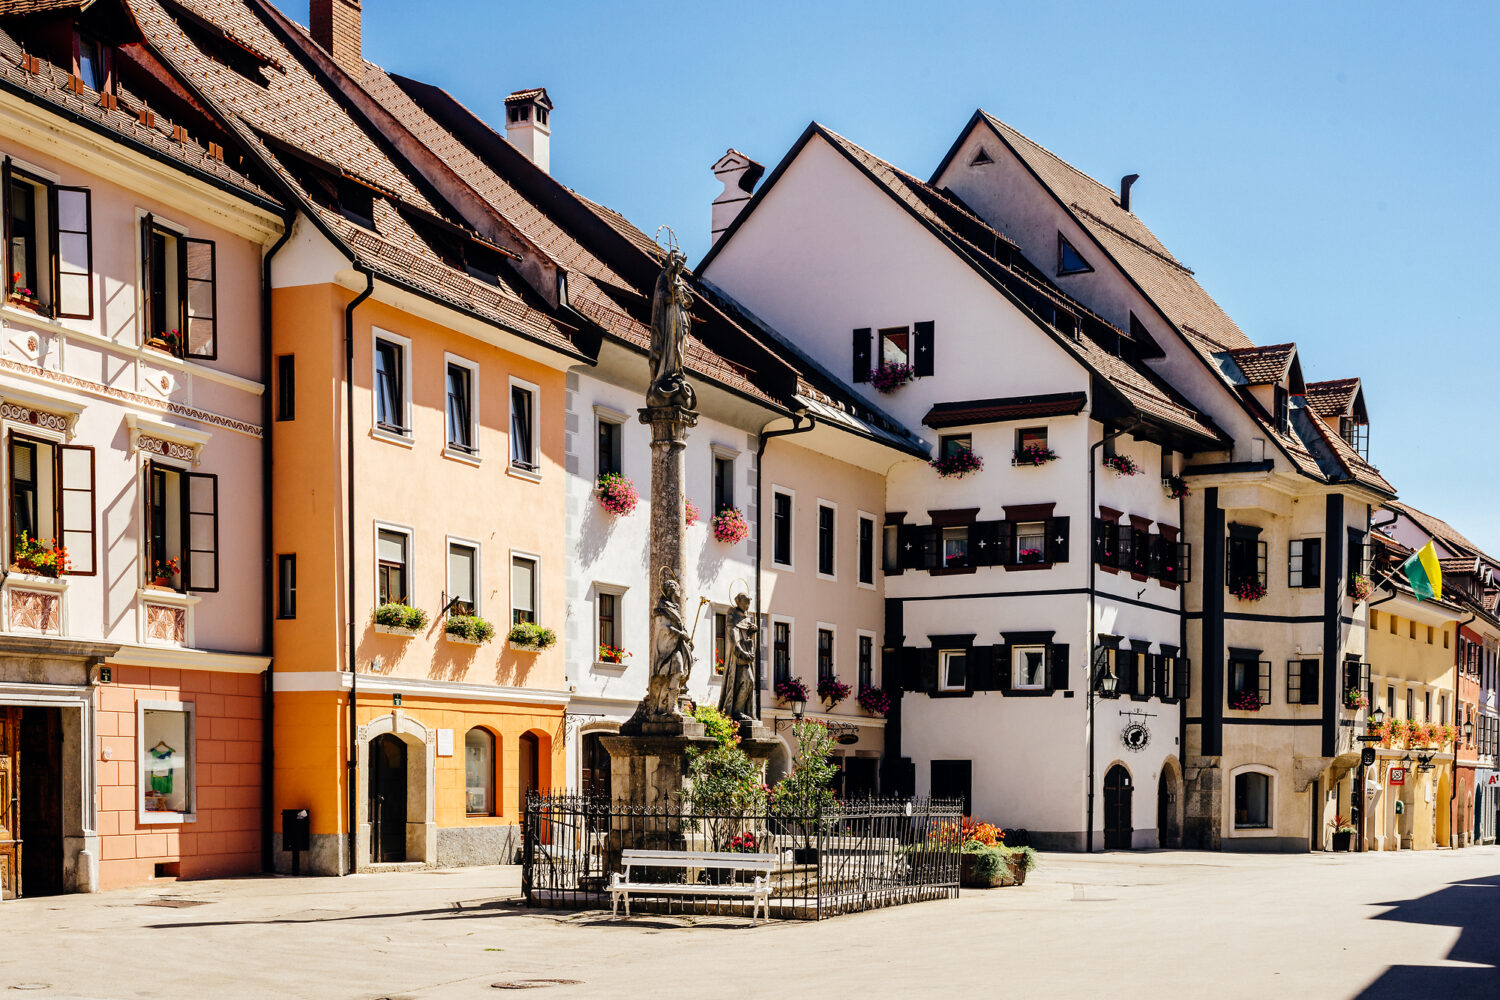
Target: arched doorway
x: 1118, y: 791
x: 1169, y: 806
x: 387, y: 799
x: 528, y: 767
x: 596, y: 777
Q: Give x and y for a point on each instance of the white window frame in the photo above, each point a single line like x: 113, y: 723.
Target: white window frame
x: 732, y: 456
x: 471, y: 458
x: 608, y: 415
x: 407, y: 440
x: 478, y: 548
x: 943, y: 656
x: 536, y: 585
x: 530, y: 475
x: 1269, y: 830
x: 617, y: 591
x: 864, y: 633
x: 791, y: 548
x: 143, y: 817
x: 818, y: 541
x: 1016, y: 665
x: 411, y: 559
x: 876, y: 549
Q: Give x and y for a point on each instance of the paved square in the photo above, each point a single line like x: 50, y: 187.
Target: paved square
x: 1147, y: 925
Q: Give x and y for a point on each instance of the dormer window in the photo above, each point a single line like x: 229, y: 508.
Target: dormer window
x: 91, y: 63
x: 1283, y: 410
x: 1357, y: 433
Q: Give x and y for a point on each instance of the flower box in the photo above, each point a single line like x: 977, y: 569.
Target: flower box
x: 832, y: 690
x: 791, y: 689
x: 612, y: 654
x: 405, y: 633
x: 957, y: 464
x: 617, y: 494
x: 392, y: 618
x: 1033, y: 455
x: 1121, y: 465
x: 1249, y: 591
x: 528, y: 637
x: 1030, y: 555
x: 874, y: 700
x: 730, y: 526
x: 890, y: 376
x: 1247, y: 702
x: 468, y: 629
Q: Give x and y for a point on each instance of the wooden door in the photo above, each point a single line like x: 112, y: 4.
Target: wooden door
x: 1117, y: 795
x: 10, y: 801
x: 387, y: 799
x: 40, y: 786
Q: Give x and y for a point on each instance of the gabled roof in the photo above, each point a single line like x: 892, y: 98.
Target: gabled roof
x: 1264, y: 365
x: 1335, y: 397
x: 1441, y: 530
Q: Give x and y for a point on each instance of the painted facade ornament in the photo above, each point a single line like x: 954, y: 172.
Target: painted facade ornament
x: 737, y: 699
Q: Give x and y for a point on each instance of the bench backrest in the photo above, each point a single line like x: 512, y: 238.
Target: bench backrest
x: 700, y: 859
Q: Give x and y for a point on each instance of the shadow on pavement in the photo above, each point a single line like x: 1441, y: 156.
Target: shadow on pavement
x: 1473, y: 906
x: 466, y: 910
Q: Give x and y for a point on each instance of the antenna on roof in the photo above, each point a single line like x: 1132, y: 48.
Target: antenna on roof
x: 1125, y: 184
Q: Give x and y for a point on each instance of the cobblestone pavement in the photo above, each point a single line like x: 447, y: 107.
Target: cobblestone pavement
x: 1150, y: 925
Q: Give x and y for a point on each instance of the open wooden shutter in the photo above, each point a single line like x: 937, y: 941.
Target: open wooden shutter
x: 200, y: 531
x: 1124, y: 547
x: 984, y: 543
x: 148, y: 289
x: 929, y: 660
x: 981, y: 668
x: 1005, y: 543
x: 1181, y: 677
x: 921, y: 348
x: 862, y: 362
x: 1184, y: 562
x: 73, y: 252
x: 1263, y: 677
x: 77, y: 528
x: 5, y: 212
x: 931, y: 547
x: 1057, y: 666
x: 1002, y: 667
x: 908, y: 546
x: 1057, y: 539
x: 200, y: 298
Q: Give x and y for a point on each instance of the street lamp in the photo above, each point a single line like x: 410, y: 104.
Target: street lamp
x: 798, y: 707
x: 1469, y: 732
x: 1377, y: 717
x: 1107, y: 684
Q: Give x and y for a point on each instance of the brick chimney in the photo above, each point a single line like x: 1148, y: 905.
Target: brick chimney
x: 739, y: 175
x: 528, y: 115
x: 335, y: 26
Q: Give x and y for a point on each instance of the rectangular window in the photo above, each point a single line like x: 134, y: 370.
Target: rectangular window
x: 460, y: 416
x: 286, y: 586
x: 721, y: 641
x: 180, y: 275
x: 1304, y: 562
x: 866, y: 661
x: 1390, y: 701
x: 1028, y: 665
x: 1249, y: 684
x: 895, y: 346
x: 1031, y: 541
x: 781, y: 528
x: 953, y: 669
x: 955, y: 538
x: 522, y: 590
x: 608, y: 447
x: 1411, y: 704
x: 48, y: 246
x: 723, y: 482
x: 393, y: 574
x: 1427, y: 707
x: 1031, y: 438
x: 781, y: 651
x: 1247, y: 562
x: 182, y: 519
x: 608, y: 608
x: 1302, y: 682
x: 167, y: 741
x: 1442, y: 710
x: 827, y: 533
x: 390, y: 387
x: 91, y: 63
x: 825, y: 653
x: 866, y: 550
x: 523, y: 428
x: 951, y: 444
x: 286, y: 387
x: 1283, y: 409
x: 463, y: 578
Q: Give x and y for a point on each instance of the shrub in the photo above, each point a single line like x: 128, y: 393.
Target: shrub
x: 716, y: 724
x: 617, y: 494
x: 531, y: 634
x: 805, y: 789
x: 470, y: 627
x: 396, y: 615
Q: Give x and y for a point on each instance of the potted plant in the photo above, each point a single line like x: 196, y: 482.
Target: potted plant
x: 171, y: 342
x: 1343, y: 833
x: 874, y: 700
x: 20, y: 293
x: 530, y: 637
x: 832, y: 690
x: 957, y: 463
x: 611, y: 654
x: 1355, y: 699
x: 395, y: 618
x: 616, y: 494
x: 730, y: 526
x: 890, y: 376
x: 470, y: 629
x: 1250, y: 590
x: 791, y: 689
x: 1030, y: 555
x: 162, y: 573
x: 1122, y: 465
x: 1176, y: 487
x: 1447, y: 734
x: 1033, y: 455
x: 1245, y: 701
x: 40, y: 558
x: 1361, y: 588
x: 804, y: 794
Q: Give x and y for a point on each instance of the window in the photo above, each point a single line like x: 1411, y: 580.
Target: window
x: 1304, y: 562
x: 1390, y: 701
x: 607, y: 610
x: 953, y: 669
x: 49, y: 245
x: 1442, y: 710
x: 461, y: 417
x: 607, y: 447
x: 866, y: 661
x: 951, y: 444
x: 955, y: 538
x: 1393, y: 624
x: 167, y: 759
x: 827, y: 533
x: 463, y: 578
x: 522, y: 589
x: 52, y: 496
x: 523, y: 444
x: 1252, y: 801
x: 1411, y: 630
x: 1374, y: 620
x: 1249, y: 685
x: 781, y: 527
x: 723, y: 482
x: 390, y: 387
x: 286, y: 586
x: 1069, y: 260
x: 1411, y: 704
x: 781, y: 651
x: 866, y: 550
x: 1302, y: 682
x: 1028, y: 668
x: 182, y: 519
x: 479, y: 772
x: 92, y: 63
x: 1283, y: 411
x: 825, y: 653
x: 895, y: 346
x: 179, y: 295
x: 1031, y: 437
x: 721, y: 641
x: 286, y: 387
x: 1246, y: 556
x: 1357, y: 433
x: 890, y: 547
x: 1427, y: 707
x: 1031, y: 541
x: 1429, y: 635
x: 393, y: 577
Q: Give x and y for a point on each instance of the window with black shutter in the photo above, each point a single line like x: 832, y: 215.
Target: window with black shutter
x: 1140, y: 551
x: 1249, y: 683
x: 1057, y: 539
x: 1106, y: 543
x: 1302, y: 682
x: 1125, y: 546
x: 1305, y: 562
x: 1181, y: 678
x: 781, y: 651
x: 866, y: 550
x: 862, y: 363
x: 1245, y: 556
x: 781, y: 528
x: 48, y: 245
x: 286, y: 586
x: 52, y: 506
x: 186, y: 558
x: 180, y: 275
x: 1358, y: 559
x: 921, y: 348
x: 827, y: 533
x: 1125, y: 671
x: 1057, y: 666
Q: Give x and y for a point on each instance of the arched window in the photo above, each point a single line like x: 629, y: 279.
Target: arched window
x: 479, y: 772
x: 1252, y: 800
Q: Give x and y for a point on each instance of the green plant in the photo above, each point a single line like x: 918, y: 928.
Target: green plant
x: 989, y: 862
x: 470, y: 627
x: 531, y: 634
x: 727, y: 787
x: 805, y: 790
x: 396, y: 615
x: 44, y: 558
x: 1027, y: 855
x: 719, y: 726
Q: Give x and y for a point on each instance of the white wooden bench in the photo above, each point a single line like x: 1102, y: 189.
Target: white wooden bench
x: 759, y: 891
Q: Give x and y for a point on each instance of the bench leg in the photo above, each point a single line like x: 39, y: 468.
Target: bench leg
x: 627, y: 906
x: 614, y: 906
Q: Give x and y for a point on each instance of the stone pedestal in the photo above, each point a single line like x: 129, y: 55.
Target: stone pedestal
x: 759, y: 742
x: 648, y: 773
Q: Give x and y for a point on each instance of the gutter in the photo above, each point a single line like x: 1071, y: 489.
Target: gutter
x: 352, y: 772
x: 268, y: 574
x: 760, y: 507
x: 1093, y: 627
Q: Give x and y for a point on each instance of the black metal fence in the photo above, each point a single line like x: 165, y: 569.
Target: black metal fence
x: 843, y: 858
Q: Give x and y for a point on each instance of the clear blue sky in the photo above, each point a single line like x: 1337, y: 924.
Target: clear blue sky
x: 1329, y: 170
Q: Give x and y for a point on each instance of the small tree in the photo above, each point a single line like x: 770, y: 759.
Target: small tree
x: 804, y: 793
x: 727, y: 786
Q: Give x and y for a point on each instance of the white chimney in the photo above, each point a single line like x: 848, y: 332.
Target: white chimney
x: 739, y: 175
x: 527, y: 115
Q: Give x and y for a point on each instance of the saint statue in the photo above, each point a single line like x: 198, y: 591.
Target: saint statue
x: 671, y: 318
x: 671, y: 654
x: 737, y: 699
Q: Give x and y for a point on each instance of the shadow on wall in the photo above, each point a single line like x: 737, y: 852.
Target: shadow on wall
x: 599, y: 526
x: 390, y: 650
x: 1473, y: 907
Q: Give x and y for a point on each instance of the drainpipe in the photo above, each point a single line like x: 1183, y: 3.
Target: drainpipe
x: 760, y: 506
x: 1093, y: 629
x: 268, y: 561
x: 352, y: 771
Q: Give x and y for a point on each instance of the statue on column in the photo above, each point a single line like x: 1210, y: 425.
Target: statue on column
x: 671, y: 656
x: 737, y: 699
x: 671, y: 318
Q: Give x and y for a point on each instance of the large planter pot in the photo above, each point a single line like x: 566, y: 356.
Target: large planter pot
x: 1018, y: 869
x: 969, y: 876
x: 1343, y: 841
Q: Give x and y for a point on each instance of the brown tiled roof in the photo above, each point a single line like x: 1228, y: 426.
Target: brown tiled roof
x: 1332, y: 398
x: 526, y: 95
x: 986, y: 411
x: 1049, y: 306
x: 1264, y: 365
x: 1439, y: 529
x: 10, y: 8
x: 1354, y: 466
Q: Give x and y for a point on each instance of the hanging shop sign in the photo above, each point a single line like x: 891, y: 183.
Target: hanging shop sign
x: 1398, y: 775
x: 1367, y: 756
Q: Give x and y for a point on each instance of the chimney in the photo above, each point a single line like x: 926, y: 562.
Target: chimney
x: 527, y: 115
x: 739, y: 174
x: 335, y: 26
x: 1125, y: 184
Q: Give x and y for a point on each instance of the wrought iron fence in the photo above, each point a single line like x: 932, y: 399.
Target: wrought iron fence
x: 846, y: 857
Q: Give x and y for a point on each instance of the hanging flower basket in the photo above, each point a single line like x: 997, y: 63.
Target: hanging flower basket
x: 832, y: 690
x: 1362, y: 588
x: 890, y: 376
x: 1123, y: 465
x: 1176, y: 487
x: 1033, y: 454
x: 874, y: 700
x: 617, y: 494
x: 790, y: 690
x: 730, y: 526
x: 691, y: 513
x: 1355, y: 699
x: 1246, y: 701
x: 1249, y: 590
x: 957, y: 463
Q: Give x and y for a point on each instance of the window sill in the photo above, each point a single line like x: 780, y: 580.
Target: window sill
x: 458, y: 455
x: 1039, y: 692
x: 404, y: 440
x: 784, y: 567
x: 145, y: 818
x: 34, y: 581
x: 865, y: 586
x: 521, y: 473
x: 951, y: 571
x: 163, y: 596
x: 460, y: 640
x: 609, y: 666
x: 831, y: 578
x: 1028, y: 566
x: 526, y: 647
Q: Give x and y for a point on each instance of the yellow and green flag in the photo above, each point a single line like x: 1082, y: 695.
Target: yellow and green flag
x: 1424, y: 574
